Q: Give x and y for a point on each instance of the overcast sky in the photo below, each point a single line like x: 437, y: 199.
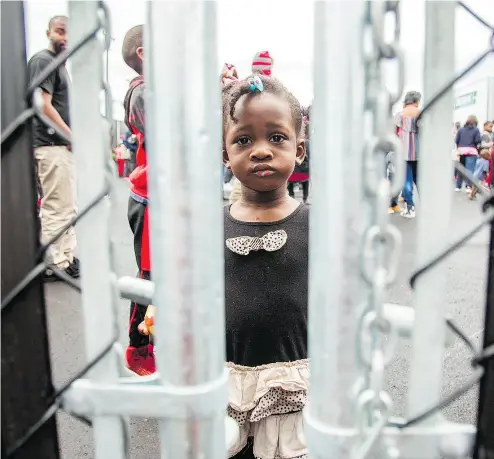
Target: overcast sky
x: 289, y: 37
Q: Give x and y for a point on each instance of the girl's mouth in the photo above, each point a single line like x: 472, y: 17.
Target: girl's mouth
x: 264, y: 173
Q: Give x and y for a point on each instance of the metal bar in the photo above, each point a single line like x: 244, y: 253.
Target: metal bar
x: 26, y: 372
x: 335, y: 289
x: 93, y: 232
x: 484, y: 447
x: 434, y: 178
x: 187, y: 253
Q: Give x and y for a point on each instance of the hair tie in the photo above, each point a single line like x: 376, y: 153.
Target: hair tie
x: 256, y: 84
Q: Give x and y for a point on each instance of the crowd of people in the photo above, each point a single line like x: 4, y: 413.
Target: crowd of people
x: 265, y: 152
x: 474, y: 150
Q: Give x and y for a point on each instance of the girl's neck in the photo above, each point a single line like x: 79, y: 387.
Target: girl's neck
x: 269, y: 206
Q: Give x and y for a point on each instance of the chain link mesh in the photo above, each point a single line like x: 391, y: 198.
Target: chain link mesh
x: 381, y: 240
x: 16, y: 129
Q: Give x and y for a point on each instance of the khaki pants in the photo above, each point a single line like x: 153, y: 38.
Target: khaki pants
x: 57, y: 177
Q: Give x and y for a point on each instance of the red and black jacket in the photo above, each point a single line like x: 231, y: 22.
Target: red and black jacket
x: 135, y: 121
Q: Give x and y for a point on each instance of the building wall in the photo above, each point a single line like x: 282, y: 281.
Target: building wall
x: 475, y: 98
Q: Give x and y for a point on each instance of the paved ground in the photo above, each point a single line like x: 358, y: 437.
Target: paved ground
x: 466, y: 290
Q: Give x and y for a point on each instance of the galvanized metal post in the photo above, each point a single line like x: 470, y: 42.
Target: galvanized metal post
x: 184, y: 151
x: 335, y: 288
x: 93, y: 231
x: 434, y: 180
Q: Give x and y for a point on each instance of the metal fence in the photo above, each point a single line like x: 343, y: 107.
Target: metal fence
x: 347, y: 344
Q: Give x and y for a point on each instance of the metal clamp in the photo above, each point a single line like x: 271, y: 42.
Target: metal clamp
x: 451, y: 440
x: 156, y: 400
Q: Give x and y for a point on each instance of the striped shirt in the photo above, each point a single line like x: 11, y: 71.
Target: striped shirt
x: 408, y: 133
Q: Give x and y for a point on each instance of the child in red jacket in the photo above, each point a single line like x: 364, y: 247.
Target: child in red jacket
x: 140, y: 352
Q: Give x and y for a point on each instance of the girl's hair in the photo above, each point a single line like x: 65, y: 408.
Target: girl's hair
x: 232, y: 93
x: 472, y: 121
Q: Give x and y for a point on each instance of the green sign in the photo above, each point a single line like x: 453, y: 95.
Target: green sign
x: 466, y: 99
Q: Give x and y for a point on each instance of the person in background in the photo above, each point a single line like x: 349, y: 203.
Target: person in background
x: 456, y: 127
x: 467, y: 141
x: 390, y: 170
x: 54, y: 158
x: 301, y: 171
x: 487, y: 138
x: 454, y: 153
x: 140, y: 352
x: 488, y: 142
x: 229, y: 76
x: 130, y: 142
x: 481, y: 170
x: 407, y: 130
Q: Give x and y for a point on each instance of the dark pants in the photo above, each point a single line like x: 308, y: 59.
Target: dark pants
x: 137, y: 219
x: 411, y: 178
x: 305, y: 189
x: 246, y: 453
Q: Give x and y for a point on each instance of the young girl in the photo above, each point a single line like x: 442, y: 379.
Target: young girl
x: 266, y: 271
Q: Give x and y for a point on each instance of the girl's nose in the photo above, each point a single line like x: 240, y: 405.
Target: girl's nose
x: 260, y: 154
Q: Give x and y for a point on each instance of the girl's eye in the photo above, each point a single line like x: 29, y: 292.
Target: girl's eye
x: 243, y: 141
x: 278, y: 138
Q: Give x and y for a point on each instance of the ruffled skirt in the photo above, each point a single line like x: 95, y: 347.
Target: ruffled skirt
x: 267, y: 403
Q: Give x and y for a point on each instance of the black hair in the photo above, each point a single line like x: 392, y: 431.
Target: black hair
x: 232, y: 93
x: 56, y: 18
x: 487, y: 123
x: 412, y: 97
x: 132, y: 41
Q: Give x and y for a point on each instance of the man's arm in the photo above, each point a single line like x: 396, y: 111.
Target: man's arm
x: 52, y: 113
x: 36, y: 66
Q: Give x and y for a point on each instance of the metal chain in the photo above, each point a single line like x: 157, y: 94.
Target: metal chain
x: 35, y: 108
x: 381, y: 242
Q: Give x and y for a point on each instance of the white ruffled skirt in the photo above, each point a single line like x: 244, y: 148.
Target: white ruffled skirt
x: 267, y: 403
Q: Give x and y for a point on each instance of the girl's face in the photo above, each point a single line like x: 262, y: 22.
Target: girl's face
x: 262, y: 147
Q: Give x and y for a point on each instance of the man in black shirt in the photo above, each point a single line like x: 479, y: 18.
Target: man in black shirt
x: 55, y: 161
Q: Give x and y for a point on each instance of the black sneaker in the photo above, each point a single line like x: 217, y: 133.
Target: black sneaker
x: 74, y: 268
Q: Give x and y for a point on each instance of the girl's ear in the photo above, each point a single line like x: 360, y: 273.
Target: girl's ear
x: 226, y: 162
x: 299, y: 159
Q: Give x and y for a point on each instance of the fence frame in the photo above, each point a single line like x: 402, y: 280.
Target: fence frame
x: 91, y: 159
x: 434, y: 175
x: 189, y: 399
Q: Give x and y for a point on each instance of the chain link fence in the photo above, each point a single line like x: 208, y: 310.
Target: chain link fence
x: 378, y: 101
x: 21, y: 127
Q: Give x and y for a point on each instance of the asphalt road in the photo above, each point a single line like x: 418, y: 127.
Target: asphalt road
x: 465, y: 302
